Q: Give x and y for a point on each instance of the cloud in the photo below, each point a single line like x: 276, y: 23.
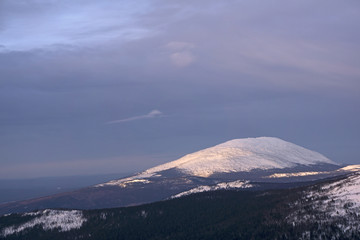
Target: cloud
x: 39, y: 24
x: 179, y: 46
x: 182, y: 59
x: 181, y: 54
x: 153, y: 114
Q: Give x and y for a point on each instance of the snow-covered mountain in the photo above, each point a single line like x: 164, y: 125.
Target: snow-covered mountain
x: 251, y: 163
x: 238, y: 155
x: 244, y: 155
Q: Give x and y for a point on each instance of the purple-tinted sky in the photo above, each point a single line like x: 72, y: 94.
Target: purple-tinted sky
x: 91, y: 87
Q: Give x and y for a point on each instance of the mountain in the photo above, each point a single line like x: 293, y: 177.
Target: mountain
x: 243, y: 155
x: 325, y: 210
x: 252, y: 163
x: 239, y: 155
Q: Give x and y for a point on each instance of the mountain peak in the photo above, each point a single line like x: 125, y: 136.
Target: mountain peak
x: 244, y: 155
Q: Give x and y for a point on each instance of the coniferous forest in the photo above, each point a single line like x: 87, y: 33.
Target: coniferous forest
x: 208, y: 215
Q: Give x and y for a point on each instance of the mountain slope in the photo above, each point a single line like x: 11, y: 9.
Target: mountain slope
x: 300, y: 213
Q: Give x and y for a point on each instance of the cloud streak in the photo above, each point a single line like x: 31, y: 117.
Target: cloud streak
x: 68, y: 23
x: 181, y: 54
x: 153, y: 114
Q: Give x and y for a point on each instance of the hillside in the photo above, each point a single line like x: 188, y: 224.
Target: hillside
x: 327, y: 210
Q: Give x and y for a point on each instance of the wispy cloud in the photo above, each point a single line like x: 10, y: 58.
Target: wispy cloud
x: 153, y: 114
x: 181, y: 54
x: 79, y: 23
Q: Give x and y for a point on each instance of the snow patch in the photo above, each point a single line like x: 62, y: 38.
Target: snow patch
x: 48, y: 220
x: 351, y: 168
x: 143, y: 214
x: 224, y: 185
x: 299, y: 174
x: 125, y: 182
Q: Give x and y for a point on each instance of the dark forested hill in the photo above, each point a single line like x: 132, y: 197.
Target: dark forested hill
x: 301, y: 213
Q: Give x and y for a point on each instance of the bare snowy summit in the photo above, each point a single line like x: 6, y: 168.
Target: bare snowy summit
x: 243, y: 155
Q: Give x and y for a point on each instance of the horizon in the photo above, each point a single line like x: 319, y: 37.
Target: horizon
x: 92, y: 88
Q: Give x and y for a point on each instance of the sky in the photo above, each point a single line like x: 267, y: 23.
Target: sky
x: 94, y: 87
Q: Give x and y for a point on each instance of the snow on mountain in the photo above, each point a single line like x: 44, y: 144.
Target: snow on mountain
x: 336, y: 204
x: 243, y: 155
x: 341, y: 193
x: 351, y: 168
x: 298, y: 174
x: 224, y: 185
x: 124, y: 182
x: 48, y: 220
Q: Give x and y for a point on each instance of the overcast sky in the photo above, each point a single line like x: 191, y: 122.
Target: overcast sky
x: 92, y: 87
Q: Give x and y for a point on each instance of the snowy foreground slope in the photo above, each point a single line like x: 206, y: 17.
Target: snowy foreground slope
x: 325, y: 210
x: 338, y: 199
x: 334, y: 207
x: 48, y: 220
